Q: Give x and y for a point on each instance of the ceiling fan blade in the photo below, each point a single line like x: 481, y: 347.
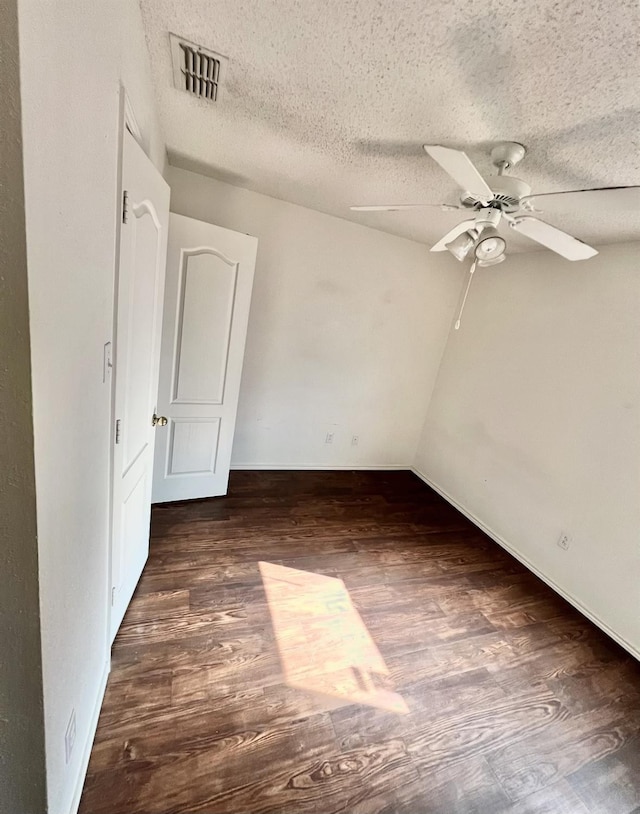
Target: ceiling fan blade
x: 441, y: 245
x: 554, y: 239
x: 609, y: 199
x: 402, y: 207
x: 461, y: 169
x: 629, y: 194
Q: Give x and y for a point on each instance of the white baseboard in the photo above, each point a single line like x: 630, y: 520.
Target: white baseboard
x: 86, y: 753
x: 526, y: 562
x: 323, y: 467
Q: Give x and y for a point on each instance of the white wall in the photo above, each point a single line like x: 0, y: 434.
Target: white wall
x: 73, y: 56
x: 534, y: 424
x: 346, y: 331
x: 22, y: 764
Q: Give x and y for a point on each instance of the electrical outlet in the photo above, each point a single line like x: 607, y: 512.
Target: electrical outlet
x: 329, y: 438
x: 354, y: 440
x: 563, y: 541
x: 70, y: 737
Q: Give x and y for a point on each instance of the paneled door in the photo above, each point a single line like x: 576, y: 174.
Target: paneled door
x: 143, y: 251
x: 207, y: 298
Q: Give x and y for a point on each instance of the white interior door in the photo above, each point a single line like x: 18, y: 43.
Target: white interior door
x: 207, y: 298
x: 143, y: 251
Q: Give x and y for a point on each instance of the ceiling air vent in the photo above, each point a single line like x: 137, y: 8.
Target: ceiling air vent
x: 197, y: 70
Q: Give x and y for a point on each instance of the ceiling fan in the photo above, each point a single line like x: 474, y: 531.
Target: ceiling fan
x: 501, y: 197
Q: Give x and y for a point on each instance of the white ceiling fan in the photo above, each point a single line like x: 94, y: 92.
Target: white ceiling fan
x: 501, y: 197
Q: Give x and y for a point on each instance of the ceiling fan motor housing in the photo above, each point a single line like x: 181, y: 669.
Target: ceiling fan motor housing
x: 507, y: 192
x: 490, y: 216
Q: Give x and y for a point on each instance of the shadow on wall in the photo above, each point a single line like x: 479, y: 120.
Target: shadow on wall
x: 185, y: 162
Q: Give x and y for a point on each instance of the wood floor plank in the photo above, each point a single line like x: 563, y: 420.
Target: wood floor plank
x: 559, y: 798
x: 561, y: 749
x: 611, y: 784
x: 395, y: 629
x: 429, y: 701
x: 615, y: 685
x: 202, y: 572
x: 196, y: 684
x: 156, y: 605
x: 517, y: 704
x: 339, y: 782
x: 468, y: 788
x: 509, y: 598
x: 205, y: 773
x: 479, y: 731
x: 161, y: 728
x: 198, y: 650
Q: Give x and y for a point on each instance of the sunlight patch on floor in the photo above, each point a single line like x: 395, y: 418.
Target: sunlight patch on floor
x: 324, y: 646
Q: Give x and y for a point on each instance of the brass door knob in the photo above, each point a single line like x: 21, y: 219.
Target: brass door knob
x: 159, y: 421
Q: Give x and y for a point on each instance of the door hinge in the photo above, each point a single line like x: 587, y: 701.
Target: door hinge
x: 125, y: 206
x: 118, y: 424
x: 113, y: 595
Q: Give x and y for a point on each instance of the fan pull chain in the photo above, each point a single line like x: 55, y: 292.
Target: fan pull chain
x: 464, y: 298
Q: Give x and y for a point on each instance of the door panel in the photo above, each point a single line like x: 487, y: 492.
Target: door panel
x: 143, y: 249
x: 134, y: 557
x: 145, y: 239
x: 194, y: 446
x: 207, y: 298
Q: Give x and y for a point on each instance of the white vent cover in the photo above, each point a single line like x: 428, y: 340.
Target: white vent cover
x: 197, y: 70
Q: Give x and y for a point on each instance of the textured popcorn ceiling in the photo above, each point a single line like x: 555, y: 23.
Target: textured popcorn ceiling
x: 328, y: 102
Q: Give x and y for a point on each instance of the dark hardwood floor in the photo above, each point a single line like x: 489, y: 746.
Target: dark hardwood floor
x: 517, y: 703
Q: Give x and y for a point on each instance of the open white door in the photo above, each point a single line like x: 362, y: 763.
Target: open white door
x: 207, y: 298
x: 143, y: 251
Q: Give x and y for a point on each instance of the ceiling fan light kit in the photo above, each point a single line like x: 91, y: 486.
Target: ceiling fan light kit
x: 461, y: 246
x: 499, y: 259
x: 490, y: 245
